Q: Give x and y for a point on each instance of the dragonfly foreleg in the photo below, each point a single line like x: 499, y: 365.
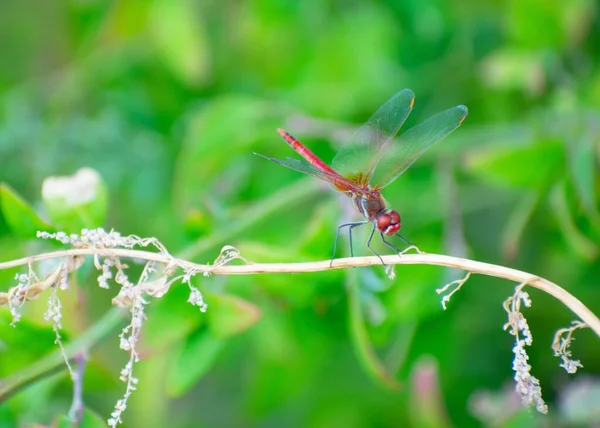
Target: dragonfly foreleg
x: 390, y: 245
x: 350, y: 226
x: 350, y: 235
x: 369, y: 244
x: 404, y: 239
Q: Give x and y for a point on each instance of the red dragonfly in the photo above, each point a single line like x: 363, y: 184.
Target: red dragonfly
x: 373, y: 158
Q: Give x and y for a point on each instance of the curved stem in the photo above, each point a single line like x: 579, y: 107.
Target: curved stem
x: 472, y: 266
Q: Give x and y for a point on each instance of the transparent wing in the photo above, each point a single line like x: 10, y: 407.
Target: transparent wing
x: 339, y: 182
x: 358, y: 158
x: 399, y: 155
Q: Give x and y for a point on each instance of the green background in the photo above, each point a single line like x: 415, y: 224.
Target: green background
x: 168, y: 100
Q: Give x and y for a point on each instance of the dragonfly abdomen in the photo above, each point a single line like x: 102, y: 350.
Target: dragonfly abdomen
x: 303, y: 151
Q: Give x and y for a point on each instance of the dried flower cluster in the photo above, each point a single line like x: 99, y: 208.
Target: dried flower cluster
x: 562, y: 344
x: 154, y: 281
x: 527, y: 386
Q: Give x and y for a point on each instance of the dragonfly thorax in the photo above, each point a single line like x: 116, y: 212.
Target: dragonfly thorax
x: 388, y: 222
x: 370, y: 206
x: 373, y: 208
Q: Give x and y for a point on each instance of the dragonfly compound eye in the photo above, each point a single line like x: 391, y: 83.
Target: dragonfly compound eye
x: 388, y: 223
x: 395, y: 218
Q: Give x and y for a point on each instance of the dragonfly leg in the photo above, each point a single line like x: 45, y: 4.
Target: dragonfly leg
x: 404, y: 239
x: 390, y: 245
x: 369, y: 245
x: 350, y: 235
x: 350, y: 226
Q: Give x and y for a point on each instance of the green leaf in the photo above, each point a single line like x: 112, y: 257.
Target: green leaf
x: 371, y: 286
x: 170, y: 319
x: 178, y: 33
x: 28, y: 337
x: 8, y: 416
x: 125, y: 21
x: 90, y: 419
x: 299, y: 192
x: 535, y: 167
x: 510, y: 69
x: 19, y: 215
x: 334, y: 66
x: 517, y: 223
x: 229, y: 315
x: 77, y: 201
x: 196, y: 356
x: 582, y: 167
x: 576, y: 239
x: 208, y: 131
x: 537, y: 24
x: 360, y: 336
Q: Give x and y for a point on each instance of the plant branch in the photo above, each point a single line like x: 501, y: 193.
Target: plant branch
x: 471, y: 266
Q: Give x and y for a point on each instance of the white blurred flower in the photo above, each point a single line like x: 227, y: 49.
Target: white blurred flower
x: 74, y: 190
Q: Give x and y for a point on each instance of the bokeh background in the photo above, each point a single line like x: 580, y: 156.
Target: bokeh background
x: 168, y: 100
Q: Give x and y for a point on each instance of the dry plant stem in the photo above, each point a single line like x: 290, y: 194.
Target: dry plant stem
x: 472, y: 266
x: 77, y: 407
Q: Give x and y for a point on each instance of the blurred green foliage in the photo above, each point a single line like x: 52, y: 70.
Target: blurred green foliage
x: 167, y: 100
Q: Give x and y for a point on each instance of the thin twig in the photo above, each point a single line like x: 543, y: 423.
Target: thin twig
x: 77, y: 407
x: 472, y: 266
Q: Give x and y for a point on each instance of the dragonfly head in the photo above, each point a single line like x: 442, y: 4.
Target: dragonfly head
x: 388, y: 222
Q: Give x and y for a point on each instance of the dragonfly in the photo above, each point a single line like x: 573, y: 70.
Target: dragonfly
x: 372, y: 159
